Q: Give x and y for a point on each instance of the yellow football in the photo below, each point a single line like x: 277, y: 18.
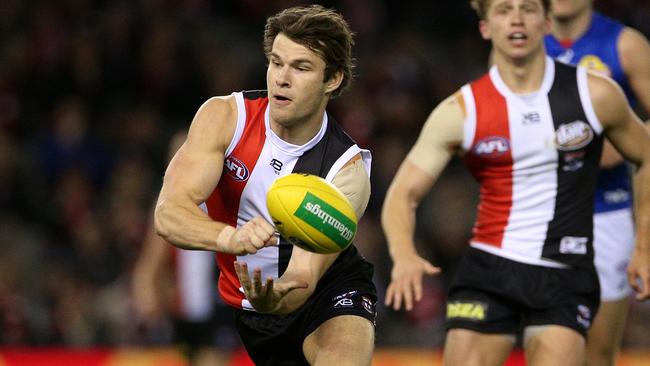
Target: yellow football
x: 311, y: 213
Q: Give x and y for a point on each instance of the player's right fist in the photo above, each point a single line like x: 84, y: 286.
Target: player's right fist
x: 250, y: 237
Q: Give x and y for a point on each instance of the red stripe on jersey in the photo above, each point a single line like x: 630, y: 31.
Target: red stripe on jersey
x: 223, y: 203
x: 490, y: 161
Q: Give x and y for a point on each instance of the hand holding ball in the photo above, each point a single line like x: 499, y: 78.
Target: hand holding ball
x: 311, y: 213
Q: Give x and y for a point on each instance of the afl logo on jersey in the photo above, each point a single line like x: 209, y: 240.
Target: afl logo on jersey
x: 492, y: 146
x: 572, y: 136
x: 236, y: 169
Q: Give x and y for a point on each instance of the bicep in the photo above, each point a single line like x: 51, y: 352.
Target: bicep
x: 630, y: 137
x: 440, y: 138
x: 411, y: 183
x: 621, y: 125
x: 192, y: 174
x: 196, y: 168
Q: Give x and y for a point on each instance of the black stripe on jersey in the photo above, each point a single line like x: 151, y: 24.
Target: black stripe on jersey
x: 255, y: 94
x: 577, y: 175
x: 317, y: 161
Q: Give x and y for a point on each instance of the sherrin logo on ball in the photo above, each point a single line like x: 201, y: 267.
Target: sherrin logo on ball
x: 311, y: 213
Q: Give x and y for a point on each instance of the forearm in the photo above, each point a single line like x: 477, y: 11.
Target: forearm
x: 642, y: 206
x: 293, y: 300
x: 398, y: 222
x: 188, y: 227
x: 306, y: 268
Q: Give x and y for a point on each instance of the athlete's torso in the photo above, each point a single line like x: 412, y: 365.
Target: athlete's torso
x: 597, y: 49
x: 536, y: 159
x: 254, y: 159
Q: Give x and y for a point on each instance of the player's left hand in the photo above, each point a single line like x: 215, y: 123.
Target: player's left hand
x: 265, y: 298
x: 638, y: 273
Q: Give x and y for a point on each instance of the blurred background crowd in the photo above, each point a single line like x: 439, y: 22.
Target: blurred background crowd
x: 92, y: 91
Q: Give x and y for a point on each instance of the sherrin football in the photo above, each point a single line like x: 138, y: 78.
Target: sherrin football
x: 311, y: 213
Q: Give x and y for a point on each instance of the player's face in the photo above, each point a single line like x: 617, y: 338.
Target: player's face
x: 567, y: 9
x: 295, y: 81
x: 515, y: 27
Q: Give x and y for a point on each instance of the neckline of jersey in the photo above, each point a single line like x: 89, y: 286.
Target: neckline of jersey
x: 290, y: 148
x: 547, y: 82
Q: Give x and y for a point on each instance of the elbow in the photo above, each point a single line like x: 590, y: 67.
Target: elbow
x: 386, y: 213
x: 162, y: 219
x: 393, y: 197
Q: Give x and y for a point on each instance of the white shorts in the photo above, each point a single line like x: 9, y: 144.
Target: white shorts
x: 613, y: 246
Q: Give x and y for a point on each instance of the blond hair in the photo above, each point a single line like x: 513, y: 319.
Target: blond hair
x: 481, y: 7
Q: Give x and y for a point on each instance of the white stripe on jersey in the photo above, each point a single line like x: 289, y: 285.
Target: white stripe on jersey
x: 469, y: 125
x: 253, y: 197
x: 585, y: 99
x: 241, y: 122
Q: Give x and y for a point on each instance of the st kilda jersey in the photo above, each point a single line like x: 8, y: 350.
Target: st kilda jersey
x: 597, y: 50
x: 536, y: 157
x: 256, y: 157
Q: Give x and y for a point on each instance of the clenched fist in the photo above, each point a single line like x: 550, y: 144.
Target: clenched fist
x: 249, y: 238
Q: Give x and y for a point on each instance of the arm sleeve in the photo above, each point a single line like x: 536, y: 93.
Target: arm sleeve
x: 354, y: 182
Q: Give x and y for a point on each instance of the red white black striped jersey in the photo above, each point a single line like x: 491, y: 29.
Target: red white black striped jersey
x: 255, y: 158
x: 536, y: 158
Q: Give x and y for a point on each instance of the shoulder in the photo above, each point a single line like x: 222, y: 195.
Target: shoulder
x: 222, y: 106
x: 444, y: 127
x: 633, y: 48
x: 607, y: 98
x: 451, y: 111
x: 215, y: 121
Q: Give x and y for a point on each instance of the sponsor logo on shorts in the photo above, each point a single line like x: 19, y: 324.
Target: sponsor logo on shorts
x: 326, y: 219
x: 344, y: 303
x: 584, y: 316
x: 573, y: 136
x: 573, y: 245
x: 476, y: 311
x: 617, y: 196
x: 344, y: 300
x: 347, y: 294
x: 368, y: 305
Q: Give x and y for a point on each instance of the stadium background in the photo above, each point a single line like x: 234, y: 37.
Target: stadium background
x: 92, y: 91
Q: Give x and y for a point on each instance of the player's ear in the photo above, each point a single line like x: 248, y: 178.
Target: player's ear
x: 334, y: 82
x: 484, y: 29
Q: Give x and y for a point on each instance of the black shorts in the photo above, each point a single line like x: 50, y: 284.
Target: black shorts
x: 277, y: 340
x: 491, y: 294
